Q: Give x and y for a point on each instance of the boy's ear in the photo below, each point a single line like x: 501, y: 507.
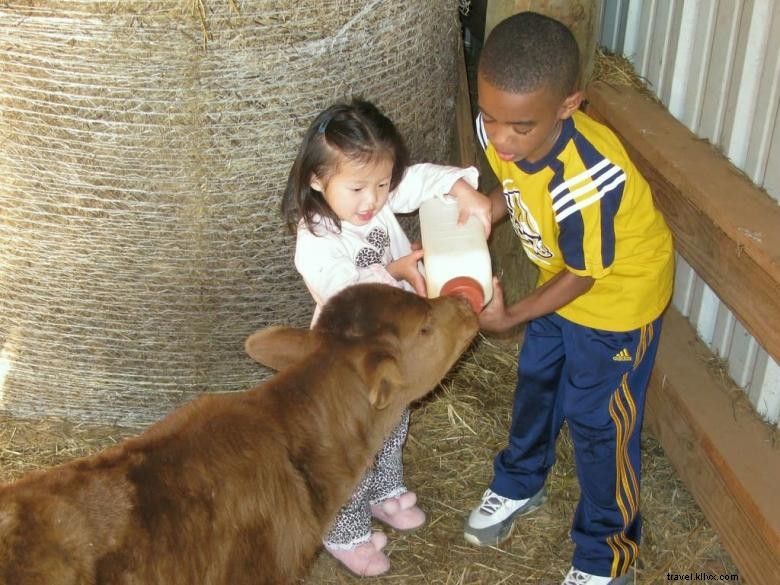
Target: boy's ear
x: 570, y: 105
x: 280, y: 347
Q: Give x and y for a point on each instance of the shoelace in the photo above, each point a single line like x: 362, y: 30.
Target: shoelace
x: 492, y: 503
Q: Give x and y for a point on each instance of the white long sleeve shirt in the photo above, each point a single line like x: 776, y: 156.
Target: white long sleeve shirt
x: 330, y: 261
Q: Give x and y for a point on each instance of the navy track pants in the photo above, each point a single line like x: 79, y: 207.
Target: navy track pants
x: 596, y: 381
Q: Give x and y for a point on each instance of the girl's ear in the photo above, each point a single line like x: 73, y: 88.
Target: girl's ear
x: 316, y: 183
x: 570, y: 105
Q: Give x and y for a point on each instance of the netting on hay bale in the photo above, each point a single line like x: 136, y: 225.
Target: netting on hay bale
x: 141, y: 174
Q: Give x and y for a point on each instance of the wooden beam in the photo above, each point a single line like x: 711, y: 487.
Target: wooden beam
x: 726, y: 228
x: 720, y: 448
x: 464, y: 122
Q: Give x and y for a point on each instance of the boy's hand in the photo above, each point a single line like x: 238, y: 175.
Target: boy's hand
x: 494, y: 317
x: 472, y: 202
x: 405, y: 268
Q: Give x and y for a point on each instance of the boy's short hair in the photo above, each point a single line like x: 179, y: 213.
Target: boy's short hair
x: 528, y: 51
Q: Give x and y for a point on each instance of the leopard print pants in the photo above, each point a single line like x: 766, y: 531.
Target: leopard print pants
x: 384, y: 480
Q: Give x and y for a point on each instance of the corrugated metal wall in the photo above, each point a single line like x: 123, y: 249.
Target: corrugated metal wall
x: 715, y: 64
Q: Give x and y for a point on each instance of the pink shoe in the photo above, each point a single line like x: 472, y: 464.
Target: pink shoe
x: 400, y: 513
x: 364, y: 560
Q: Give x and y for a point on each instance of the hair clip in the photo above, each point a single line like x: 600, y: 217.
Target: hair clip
x: 323, y: 126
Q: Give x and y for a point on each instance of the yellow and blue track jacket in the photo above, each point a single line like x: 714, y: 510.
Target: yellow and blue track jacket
x: 585, y: 208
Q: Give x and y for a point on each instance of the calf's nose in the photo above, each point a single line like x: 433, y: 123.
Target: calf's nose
x: 462, y: 312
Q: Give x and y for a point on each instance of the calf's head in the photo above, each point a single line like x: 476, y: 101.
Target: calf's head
x: 400, y: 343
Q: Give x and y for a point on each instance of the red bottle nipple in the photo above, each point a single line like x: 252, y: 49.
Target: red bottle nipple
x: 468, y: 288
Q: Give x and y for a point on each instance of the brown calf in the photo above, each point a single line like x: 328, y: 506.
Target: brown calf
x: 236, y: 489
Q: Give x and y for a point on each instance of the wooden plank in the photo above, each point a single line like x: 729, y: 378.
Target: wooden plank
x: 724, y: 227
x: 464, y: 121
x: 720, y: 448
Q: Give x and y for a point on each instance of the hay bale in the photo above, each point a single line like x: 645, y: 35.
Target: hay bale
x: 141, y: 174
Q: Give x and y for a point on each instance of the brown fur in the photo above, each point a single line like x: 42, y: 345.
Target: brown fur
x: 235, y: 489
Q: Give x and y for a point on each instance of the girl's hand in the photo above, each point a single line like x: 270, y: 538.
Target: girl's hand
x: 494, y: 317
x: 472, y: 202
x: 405, y: 268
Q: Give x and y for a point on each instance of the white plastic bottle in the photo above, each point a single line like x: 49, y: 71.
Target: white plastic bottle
x: 456, y: 257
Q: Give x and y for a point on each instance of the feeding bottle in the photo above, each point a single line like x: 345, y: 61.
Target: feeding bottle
x: 456, y: 257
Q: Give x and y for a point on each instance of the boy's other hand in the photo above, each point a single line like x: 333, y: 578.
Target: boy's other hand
x: 494, y: 317
x: 405, y: 268
x: 472, y: 202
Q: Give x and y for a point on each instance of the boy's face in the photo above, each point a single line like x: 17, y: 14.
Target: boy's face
x: 523, y: 126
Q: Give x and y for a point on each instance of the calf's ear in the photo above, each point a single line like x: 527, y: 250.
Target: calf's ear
x: 279, y: 347
x: 382, y: 377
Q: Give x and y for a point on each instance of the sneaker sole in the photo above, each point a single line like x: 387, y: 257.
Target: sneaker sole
x: 507, y: 525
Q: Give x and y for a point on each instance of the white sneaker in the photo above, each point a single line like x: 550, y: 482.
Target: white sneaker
x: 491, y: 521
x: 576, y: 577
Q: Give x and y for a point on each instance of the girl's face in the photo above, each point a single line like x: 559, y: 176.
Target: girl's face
x: 523, y: 126
x: 357, y: 190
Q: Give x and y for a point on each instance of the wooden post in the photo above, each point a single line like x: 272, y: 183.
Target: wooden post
x: 465, y: 139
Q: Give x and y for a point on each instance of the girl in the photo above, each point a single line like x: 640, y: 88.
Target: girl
x: 350, y: 177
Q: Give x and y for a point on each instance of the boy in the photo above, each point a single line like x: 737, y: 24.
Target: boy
x: 585, y: 217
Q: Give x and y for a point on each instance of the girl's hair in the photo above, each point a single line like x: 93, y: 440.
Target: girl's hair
x: 357, y: 131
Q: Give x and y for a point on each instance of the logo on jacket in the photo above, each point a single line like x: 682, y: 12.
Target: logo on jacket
x: 525, y: 225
